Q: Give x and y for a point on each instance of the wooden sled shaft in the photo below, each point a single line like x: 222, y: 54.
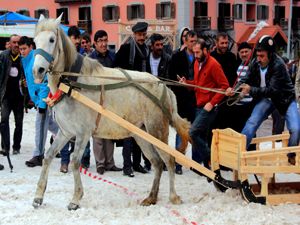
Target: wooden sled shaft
x: 179, y: 157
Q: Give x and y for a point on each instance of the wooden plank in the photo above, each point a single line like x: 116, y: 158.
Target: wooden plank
x: 180, y: 158
x: 283, y: 198
x: 270, y: 152
x: 278, y: 137
x: 269, y: 169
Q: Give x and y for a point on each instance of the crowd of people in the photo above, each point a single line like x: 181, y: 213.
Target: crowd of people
x: 262, y: 82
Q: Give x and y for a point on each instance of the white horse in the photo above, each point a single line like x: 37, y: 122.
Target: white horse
x: 57, y: 53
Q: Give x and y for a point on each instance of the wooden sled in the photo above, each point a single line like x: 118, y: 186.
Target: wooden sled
x: 229, y: 149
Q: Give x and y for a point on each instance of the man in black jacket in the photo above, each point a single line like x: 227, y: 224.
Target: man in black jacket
x: 226, y: 114
x: 133, y: 56
x: 103, y: 148
x: 182, y: 64
x: 12, y: 97
x: 158, y: 60
x: 268, y: 81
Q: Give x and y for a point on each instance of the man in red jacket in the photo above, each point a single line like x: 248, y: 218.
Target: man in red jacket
x: 207, y: 73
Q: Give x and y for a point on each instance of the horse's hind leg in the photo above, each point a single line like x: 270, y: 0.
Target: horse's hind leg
x: 157, y: 164
x: 80, y: 145
x: 56, y: 146
x: 163, y: 133
x: 170, y: 164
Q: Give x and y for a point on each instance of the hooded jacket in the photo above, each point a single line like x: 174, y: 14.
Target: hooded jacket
x: 37, y: 92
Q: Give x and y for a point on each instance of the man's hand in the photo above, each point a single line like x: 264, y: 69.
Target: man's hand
x: 229, y: 91
x: 208, y: 107
x: 181, y: 79
x: 50, y: 102
x: 245, y: 88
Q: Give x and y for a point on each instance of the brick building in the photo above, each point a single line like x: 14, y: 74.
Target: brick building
x: 236, y: 17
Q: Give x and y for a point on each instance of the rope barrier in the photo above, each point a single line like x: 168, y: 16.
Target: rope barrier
x: 132, y: 194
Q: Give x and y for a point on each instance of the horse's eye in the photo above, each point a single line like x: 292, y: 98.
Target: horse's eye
x: 51, y: 40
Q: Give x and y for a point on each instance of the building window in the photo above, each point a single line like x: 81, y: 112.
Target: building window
x: 166, y: 10
x: 24, y: 12
x: 85, y: 22
x: 65, y: 16
x: 38, y: 12
x: 201, y: 9
x: 250, y: 12
x: 262, y: 12
x: 85, y: 13
x: 135, y: 11
x: 237, y: 11
x: 110, y: 13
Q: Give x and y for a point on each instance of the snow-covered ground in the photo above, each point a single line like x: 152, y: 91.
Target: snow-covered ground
x: 114, y: 199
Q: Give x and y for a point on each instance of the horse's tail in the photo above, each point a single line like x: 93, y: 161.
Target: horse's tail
x: 182, y: 126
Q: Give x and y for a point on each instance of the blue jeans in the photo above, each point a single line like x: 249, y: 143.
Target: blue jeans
x: 261, y: 112
x: 43, y: 123
x: 199, y: 133
x: 196, y: 155
x: 69, y: 148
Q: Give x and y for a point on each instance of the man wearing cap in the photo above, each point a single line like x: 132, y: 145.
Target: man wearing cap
x: 269, y: 83
x: 242, y: 109
x: 133, y: 56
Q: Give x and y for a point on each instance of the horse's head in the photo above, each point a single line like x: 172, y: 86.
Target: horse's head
x: 46, y: 41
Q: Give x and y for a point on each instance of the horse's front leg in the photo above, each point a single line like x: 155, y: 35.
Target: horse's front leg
x: 80, y: 145
x: 56, y: 146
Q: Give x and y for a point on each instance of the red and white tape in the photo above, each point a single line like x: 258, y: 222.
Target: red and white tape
x: 132, y: 194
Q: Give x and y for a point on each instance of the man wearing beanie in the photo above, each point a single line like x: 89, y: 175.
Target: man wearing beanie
x: 244, y: 107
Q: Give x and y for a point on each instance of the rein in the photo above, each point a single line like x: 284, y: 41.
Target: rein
x: 163, y: 80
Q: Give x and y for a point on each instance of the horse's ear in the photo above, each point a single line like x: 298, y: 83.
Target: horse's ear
x: 42, y: 17
x: 58, y: 19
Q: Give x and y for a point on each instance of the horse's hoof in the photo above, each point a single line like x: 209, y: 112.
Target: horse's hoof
x: 148, y: 201
x: 37, y: 202
x: 176, y: 200
x: 73, y: 206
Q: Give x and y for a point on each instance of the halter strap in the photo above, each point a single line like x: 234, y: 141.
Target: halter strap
x: 45, y: 54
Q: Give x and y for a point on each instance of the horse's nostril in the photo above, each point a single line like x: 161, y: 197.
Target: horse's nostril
x: 41, y: 70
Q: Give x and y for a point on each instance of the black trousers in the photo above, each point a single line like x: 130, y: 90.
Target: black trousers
x: 130, y: 147
x: 17, y: 107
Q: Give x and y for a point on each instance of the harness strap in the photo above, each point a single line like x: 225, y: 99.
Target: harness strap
x: 99, y: 114
x: 45, y: 54
x: 150, y: 95
x: 129, y: 82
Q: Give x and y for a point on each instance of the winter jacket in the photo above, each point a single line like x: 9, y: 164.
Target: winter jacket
x: 229, y: 65
x: 107, y: 60
x: 186, y: 100
x: 210, y: 75
x: 5, y: 66
x: 279, y: 86
x: 163, y: 67
x: 37, y: 92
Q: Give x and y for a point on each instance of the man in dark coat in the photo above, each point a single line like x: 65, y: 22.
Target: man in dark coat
x: 133, y: 56
x: 11, y: 95
x: 182, y: 64
x: 158, y: 61
x: 226, y: 114
x: 103, y: 148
